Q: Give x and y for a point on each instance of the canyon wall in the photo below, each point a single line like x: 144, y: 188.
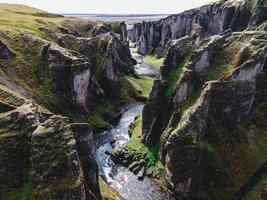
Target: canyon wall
x: 203, y: 103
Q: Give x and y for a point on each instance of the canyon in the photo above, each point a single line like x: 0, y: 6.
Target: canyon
x: 173, y: 108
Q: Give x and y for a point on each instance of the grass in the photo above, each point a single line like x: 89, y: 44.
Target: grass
x: 190, y: 101
x: 25, y: 18
x: 218, y: 72
x: 107, y: 192
x: 173, y: 76
x: 97, y: 117
x: 139, y: 148
x: 142, y: 83
x: 152, y: 60
x: 256, y: 191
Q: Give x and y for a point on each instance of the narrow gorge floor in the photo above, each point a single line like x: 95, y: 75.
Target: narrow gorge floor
x: 118, y: 177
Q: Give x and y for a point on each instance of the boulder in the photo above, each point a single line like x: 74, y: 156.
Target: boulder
x: 141, y: 173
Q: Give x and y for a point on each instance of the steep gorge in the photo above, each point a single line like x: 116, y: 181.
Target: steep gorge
x: 54, y: 66
x: 203, y: 106
x: 202, y: 133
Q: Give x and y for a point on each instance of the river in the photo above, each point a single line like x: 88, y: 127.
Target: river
x: 119, y: 177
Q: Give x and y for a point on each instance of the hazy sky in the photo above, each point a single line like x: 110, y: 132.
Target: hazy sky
x: 112, y: 6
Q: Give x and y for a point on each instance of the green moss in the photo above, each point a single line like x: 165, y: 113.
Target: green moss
x: 155, y: 62
x: 143, y: 84
x: 218, y: 72
x: 141, y: 150
x: 173, y: 76
x: 190, y: 101
x: 98, y: 116
x: 256, y: 191
x: 107, y: 192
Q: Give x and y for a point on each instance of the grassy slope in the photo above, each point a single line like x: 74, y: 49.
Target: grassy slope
x: 108, y: 192
x: 15, y: 20
x: 151, y: 60
x: 142, y: 83
x: 173, y: 76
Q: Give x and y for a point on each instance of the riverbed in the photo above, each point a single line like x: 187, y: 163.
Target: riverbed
x: 119, y: 177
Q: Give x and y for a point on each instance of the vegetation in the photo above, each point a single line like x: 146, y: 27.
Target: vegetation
x: 107, y: 192
x: 173, y: 76
x: 190, y: 101
x: 218, y: 72
x: 139, y: 148
x: 143, y: 84
x: 98, y: 118
x: 152, y: 60
x: 24, y: 18
x: 256, y: 191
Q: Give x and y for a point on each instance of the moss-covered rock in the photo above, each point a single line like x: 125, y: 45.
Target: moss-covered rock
x: 45, y: 158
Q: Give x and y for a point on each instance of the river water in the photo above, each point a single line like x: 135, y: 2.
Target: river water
x: 119, y: 177
x: 142, y: 68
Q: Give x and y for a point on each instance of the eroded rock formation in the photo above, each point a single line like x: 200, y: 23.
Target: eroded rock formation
x: 204, y: 101
x: 199, y: 23
x: 46, y: 155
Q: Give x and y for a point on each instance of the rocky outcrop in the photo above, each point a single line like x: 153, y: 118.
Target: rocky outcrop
x: 16, y: 127
x: 86, y: 151
x: 209, y: 96
x: 49, y: 154
x: 157, y: 105
x: 199, y: 23
x: 184, y: 151
x: 70, y: 76
x: 5, y: 52
x: 152, y: 114
x: 258, y: 13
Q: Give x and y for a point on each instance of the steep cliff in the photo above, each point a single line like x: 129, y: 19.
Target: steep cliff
x: 199, y: 23
x: 65, y: 66
x: 70, y: 66
x: 203, y: 106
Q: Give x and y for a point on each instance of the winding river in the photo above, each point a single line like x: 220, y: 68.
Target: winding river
x: 118, y: 177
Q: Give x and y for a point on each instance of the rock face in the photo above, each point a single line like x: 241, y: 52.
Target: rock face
x: 204, y: 102
x: 16, y: 126
x: 49, y: 154
x: 86, y: 151
x: 70, y: 76
x: 157, y: 103
x: 5, y: 53
x: 152, y: 37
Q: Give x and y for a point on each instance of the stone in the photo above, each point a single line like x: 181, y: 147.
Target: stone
x: 5, y: 52
x: 196, y: 23
x: 133, y: 165
x: 141, y: 173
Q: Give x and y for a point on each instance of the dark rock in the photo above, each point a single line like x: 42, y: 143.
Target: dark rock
x: 259, y: 13
x: 55, y: 160
x: 196, y: 23
x: 70, y: 77
x: 264, y: 192
x: 86, y: 150
x: 47, y: 155
x: 141, y: 173
x: 5, y: 53
x: 16, y: 127
x: 136, y: 169
x: 133, y: 165
x: 150, y: 171
x: 152, y: 113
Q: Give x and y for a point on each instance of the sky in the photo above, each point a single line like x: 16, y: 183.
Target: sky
x: 112, y: 6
